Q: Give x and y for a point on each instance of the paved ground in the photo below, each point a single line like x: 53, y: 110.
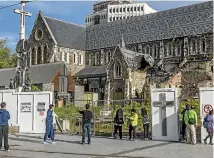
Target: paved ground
x: 30, y: 146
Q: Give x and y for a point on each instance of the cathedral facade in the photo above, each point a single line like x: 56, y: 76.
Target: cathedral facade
x: 174, y: 40
x: 123, y: 59
x: 52, y: 40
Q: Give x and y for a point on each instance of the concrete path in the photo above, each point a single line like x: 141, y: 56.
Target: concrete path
x: 68, y: 146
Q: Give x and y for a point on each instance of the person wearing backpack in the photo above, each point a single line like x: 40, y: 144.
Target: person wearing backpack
x: 118, y: 123
x: 208, y: 124
x: 190, y: 118
x: 146, y: 121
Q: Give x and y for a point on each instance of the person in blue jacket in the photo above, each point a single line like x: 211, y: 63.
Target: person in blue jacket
x: 49, y: 125
x: 4, y: 117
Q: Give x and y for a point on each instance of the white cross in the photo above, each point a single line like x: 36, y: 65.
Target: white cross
x: 162, y: 104
x: 22, y: 21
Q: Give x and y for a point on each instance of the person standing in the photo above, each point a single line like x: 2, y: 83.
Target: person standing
x: 190, y: 118
x: 133, y: 119
x: 86, y: 120
x: 183, y: 123
x: 118, y: 123
x: 54, y: 125
x: 145, y: 116
x: 49, y: 125
x: 209, y: 126
x: 4, y: 117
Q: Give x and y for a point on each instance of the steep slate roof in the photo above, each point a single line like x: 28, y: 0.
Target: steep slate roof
x: 184, y: 21
x: 92, y: 71
x: 67, y: 34
x: 43, y: 73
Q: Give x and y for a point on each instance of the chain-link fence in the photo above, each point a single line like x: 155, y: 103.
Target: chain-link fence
x: 104, y: 112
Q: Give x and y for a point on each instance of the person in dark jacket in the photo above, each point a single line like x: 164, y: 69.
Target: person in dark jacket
x: 86, y: 120
x: 49, y: 125
x: 4, y: 117
x: 118, y: 122
x: 183, y: 122
x: 209, y: 126
x: 146, y: 121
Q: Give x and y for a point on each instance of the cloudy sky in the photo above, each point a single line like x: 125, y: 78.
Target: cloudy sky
x: 72, y: 11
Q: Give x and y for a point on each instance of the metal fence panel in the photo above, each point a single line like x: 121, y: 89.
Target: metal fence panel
x: 104, y: 112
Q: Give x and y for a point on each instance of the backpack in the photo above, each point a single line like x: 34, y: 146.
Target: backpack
x: 146, y: 119
x: 205, y: 123
x: 191, y: 121
x: 120, y: 119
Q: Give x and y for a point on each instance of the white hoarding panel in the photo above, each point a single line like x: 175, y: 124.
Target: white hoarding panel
x: 26, y: 104
x: 165, y: 115
x: 42, y: 102
x: 206, y: 104
x: 11, y: 100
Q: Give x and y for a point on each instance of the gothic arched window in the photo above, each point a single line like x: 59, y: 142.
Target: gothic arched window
x: 39, y: 55
x: 117, y: 70
x: 169, y: 49
x: 45, y: 54
x: 203, y: 46
x: 147, y: 50
x: 66, y: 57
x: 156, y: 51
x: 98, y: 58
x: 74, y: 60
x: 33, y: 56
x: 109, y: 56
x: 193, y: 46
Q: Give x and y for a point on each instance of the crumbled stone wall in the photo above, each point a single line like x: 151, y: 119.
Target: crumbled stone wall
x: 190, y: 80
x: 137, y: 80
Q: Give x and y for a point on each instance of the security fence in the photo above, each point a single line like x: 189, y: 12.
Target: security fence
x: 104, y: 112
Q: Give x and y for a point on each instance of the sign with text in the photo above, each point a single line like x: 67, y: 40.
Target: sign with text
x: 26, y: 107
x: 206, y: 105
x: 41, y: 106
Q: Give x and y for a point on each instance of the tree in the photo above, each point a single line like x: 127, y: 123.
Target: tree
x: 7, y: 59
x: 34, y: 88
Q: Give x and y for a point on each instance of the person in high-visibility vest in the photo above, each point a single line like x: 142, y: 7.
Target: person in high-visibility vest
x: 190, y: 118
x: 133, y: 121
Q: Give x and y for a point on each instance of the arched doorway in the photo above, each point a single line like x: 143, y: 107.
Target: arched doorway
x: 39, y: 56
x: 45, y: 54
x: 118, y: 94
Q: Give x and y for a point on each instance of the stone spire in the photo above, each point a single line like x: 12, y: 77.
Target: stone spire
x: 123, y: 45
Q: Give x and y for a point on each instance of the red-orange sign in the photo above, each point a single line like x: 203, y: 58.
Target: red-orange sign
x: 207, y: 108
x: 41, y: 113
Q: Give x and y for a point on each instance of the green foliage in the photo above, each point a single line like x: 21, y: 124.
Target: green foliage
x: 35, y: 88
x: 190, y: 101
x: 7, y: 60
x: 71, y: 113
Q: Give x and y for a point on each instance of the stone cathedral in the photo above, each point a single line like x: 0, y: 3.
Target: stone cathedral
x: 124, y: 59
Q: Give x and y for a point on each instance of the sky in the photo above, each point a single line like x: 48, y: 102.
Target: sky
x: 71, y: 11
